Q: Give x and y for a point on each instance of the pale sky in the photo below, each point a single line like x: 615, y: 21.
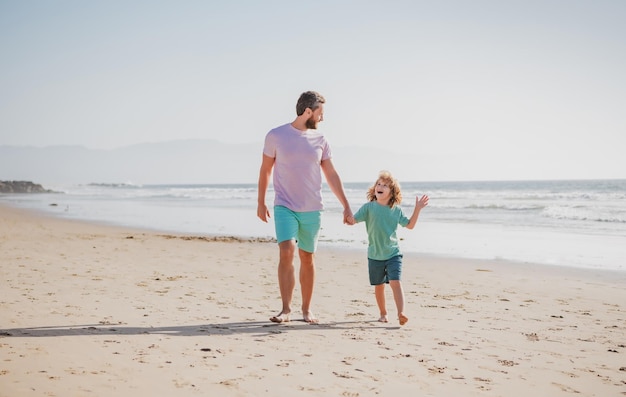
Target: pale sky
x: 474, y: 89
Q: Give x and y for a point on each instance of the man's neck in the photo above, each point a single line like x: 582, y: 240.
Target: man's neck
x: 300, y: 124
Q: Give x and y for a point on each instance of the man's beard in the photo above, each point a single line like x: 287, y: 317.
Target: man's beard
x: 311, y: 123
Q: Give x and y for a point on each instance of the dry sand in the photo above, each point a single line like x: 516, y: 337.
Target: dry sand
x: 93, y: 310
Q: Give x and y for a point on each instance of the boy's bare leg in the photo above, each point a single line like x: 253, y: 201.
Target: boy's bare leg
x: 398, y: 296
x: 286, y: 279
x: 307, y: 283
x: 379, y: 291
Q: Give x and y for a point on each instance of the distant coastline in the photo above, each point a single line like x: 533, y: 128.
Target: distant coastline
x: 22, y: 187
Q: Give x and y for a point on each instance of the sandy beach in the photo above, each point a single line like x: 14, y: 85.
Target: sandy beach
x: 94, y: 310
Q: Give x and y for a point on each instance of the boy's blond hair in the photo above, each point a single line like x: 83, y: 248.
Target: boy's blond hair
x: 394, y: 187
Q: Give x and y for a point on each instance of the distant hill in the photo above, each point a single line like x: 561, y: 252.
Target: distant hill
x: 22, y: 187
x: 182, y: 161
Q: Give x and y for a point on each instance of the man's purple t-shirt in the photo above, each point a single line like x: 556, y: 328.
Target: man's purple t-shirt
x: 297, y: 168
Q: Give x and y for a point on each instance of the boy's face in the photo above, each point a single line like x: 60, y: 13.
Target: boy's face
x: 383, y: 191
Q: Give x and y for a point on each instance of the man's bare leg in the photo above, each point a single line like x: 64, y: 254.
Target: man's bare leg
x: 307, y: 283
x: 286, y: 279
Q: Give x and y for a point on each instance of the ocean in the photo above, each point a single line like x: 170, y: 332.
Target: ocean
x: 575, y: 223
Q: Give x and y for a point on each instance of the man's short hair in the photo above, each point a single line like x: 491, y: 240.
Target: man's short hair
x: 309, y: 99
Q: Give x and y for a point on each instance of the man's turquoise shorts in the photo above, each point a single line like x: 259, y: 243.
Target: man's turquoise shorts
x: 304, y: 227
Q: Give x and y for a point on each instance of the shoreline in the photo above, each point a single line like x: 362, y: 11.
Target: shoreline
x: 483, y: 240
x: 93, y: 309
x: 325, y: 242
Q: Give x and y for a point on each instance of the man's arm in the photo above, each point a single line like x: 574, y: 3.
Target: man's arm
x: 336, y: 186
x: 264, y: 180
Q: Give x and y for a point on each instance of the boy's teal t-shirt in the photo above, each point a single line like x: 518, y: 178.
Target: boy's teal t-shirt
x: 381, y: 223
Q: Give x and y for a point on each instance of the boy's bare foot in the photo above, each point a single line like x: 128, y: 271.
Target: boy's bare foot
x: 403, y: 319
x: 310, y: 318
x: 383, y: 318
x: 280, y: 318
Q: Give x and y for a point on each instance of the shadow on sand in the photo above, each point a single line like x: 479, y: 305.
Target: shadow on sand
x: 252, y: 327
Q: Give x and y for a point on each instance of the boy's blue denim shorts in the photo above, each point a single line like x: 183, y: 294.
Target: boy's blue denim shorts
x: 383, y: 271
x: 304, y: 227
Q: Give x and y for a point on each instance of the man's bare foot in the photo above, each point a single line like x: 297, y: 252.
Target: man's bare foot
x: 310, y: 318
x: 403, y: 319
x: 383, y: 318
x: 280, y: 318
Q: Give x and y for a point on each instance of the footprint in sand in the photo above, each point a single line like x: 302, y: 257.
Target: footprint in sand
x: 533, y: 337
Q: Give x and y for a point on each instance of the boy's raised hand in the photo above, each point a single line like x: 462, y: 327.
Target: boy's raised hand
x: 421, y: 202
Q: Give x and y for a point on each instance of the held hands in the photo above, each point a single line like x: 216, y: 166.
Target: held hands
x: 421, y: 202
x: 348, y: 218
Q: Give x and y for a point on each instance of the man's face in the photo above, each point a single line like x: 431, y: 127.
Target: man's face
x: 317, y: 115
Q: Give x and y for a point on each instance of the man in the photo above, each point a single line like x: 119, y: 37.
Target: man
x: 298, y: 154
